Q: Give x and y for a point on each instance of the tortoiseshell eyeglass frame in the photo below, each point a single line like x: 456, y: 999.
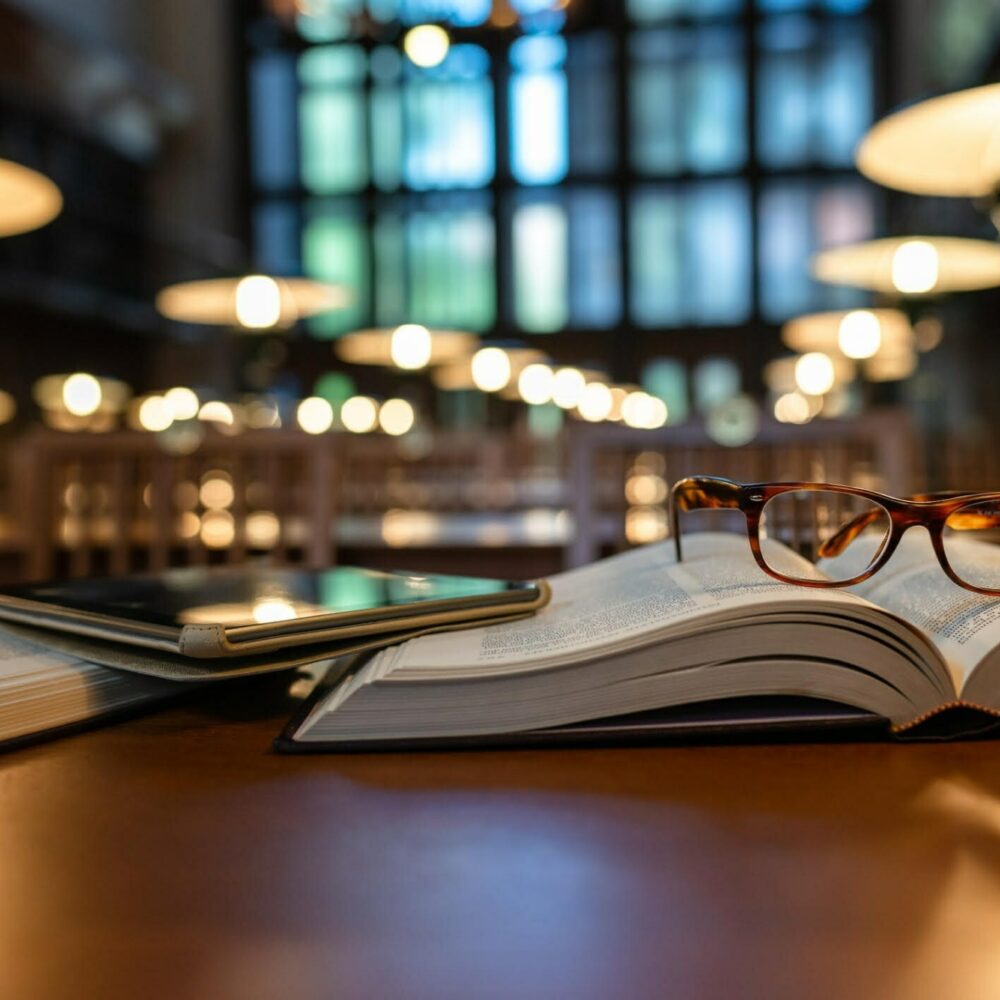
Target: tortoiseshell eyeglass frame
x: 931, y: 510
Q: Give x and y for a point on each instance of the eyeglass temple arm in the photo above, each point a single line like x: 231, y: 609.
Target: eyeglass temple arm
x: 700, y: 493
x: 966, y: 521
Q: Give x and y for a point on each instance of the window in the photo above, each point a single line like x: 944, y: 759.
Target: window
x: 514, y: 188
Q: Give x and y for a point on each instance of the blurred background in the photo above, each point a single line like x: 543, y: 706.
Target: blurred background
x: 465, y: 284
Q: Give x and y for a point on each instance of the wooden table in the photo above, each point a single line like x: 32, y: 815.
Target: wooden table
x: 177, y: 856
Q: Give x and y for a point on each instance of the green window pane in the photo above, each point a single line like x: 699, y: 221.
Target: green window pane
x: 545, y: 421
x: 540, y: 267
x: 332, y: 64
x: 334, y: 387
x: 716, y: 380
x: 436, y: 268
x: 332, y: 137
x: 327, y: 20
x: 391, y: 306
x: 333, y: 249
x: 451, y: 260
x: 666, y: 378
x: 656, y: 274
x: 387, y: 137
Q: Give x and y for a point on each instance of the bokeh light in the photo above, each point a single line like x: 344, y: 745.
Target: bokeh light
x: 81, y: 394
x: 314, y: 415
x: 359, y: 414
x: 396, y: 417
x: 426, y: 45
x: 258, y: 302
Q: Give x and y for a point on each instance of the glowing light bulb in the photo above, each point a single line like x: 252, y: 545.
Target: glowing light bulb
x: 426, y: 45
x: 396, y: 417
x: 534, y: 384
x: 217, y: 412
x: 411, y: 346
x: 792, y: 408
x: 359, y: 414
x: 915, y: 267
x: 258, y: 302
x: 859, y: 334
x: 81, y: 394
x: 640, y: 409
x: 567, y: 387
x: 315, y: 415
x: 596, y: 402
x: 155, y: 414
x: 184, y: 403
x: 490, y: 369
x: 814, y: 373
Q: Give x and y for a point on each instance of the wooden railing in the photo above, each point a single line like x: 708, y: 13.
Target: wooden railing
x: 91, y: 504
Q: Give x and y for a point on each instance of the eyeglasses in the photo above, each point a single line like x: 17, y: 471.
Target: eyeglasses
x: 846, y: 533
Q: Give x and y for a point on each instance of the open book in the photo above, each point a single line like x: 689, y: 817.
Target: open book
x: 638, y: 632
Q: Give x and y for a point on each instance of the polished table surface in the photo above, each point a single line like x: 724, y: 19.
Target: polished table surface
x: 177, y: 856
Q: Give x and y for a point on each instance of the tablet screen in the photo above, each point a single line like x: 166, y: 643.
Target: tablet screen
x: 235, y: 597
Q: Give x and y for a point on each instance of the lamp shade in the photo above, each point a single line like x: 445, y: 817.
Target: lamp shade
x: 461, y: 375
x: 410, y: 347
x: 254, y: 302
x: 855, y: 333
x: 28, y: 199
x: 947, y: 145
x: 918, y: 265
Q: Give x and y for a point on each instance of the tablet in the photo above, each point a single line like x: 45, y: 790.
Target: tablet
x: 247, y: 611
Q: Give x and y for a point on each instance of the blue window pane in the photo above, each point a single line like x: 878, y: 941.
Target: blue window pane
x: 780, y: 6
x: 538, y: 113
x: 845, y: 87
x: 717, y: 249
x: 276, y: 237
x: 715, y: 102
x: 272, y: 97
x: 688, y: 101
x: 656, y: 107
x: 448, y: 122
x: 814, y: 98
x: 656, y: 10
x: 462, y: 13
x: 595, y: 281
x: 833, y: 6
x: 540, y: 271
x: 589, y: 69
x: 666, y: 378
x: 691, y: 255
x: 796, y: 220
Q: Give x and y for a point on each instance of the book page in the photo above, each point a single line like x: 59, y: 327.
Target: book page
x: 964, y: 625
x: 617, y: 603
